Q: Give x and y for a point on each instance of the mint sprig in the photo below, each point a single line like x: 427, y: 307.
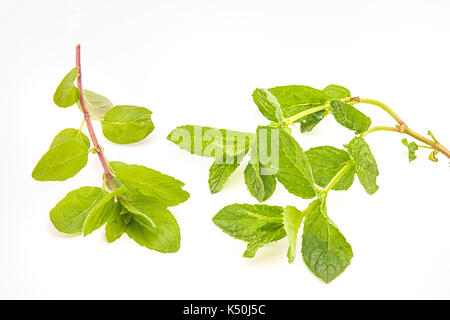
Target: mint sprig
x: 133, y: 199
x: 309, y: 174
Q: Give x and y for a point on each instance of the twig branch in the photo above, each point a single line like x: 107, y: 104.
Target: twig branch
x: 87, y: 119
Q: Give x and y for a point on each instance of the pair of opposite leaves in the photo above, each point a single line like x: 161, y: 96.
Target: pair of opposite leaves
x: 137, y: 203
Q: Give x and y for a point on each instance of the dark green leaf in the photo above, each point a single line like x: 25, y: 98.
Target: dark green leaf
x: 127, y: 124
x: 255, y: 224
x: 349, y: 116
x: 67, y: 94
x: 412, y: 148
x: 326, y: 162
x: 325, y: 250
x: 365, y: 164
x: 151, y: 183
x: 310, y: 121
x: 268, y: 105
x: 70, y: 213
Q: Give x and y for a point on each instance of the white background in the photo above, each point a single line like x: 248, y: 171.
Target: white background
x: 197, y: 62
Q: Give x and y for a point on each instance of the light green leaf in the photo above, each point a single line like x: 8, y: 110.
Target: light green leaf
x: 325, y: 250
x: 160, y: 232
x: 219, y: 174
x: 255, y: 224
x: 294, y: 99
x: 349, y: 116
x: 69, y: 214
x: 116, y: 228
x: 211, y: 142
x: 293, y: 170
x: 67, y: 94
x: 68, y: 134
x: 151, y: 183
x: 334, y: 91
x: 365, y: 164
x: 326, y: 162
x: 105, y: 210
x: 268, y: 105
x: 96, y: 104
x: 260, y: 184
x: 67, y: 155
x: 127, y: 124
x: 412, y: 148
x: 292, y: 218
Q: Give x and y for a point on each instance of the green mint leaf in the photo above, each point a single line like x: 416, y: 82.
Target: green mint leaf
x: 292, y: 218
x: 260, y: 184
x: 334, y: 91
x: 96, y: 104
x: 116, y: 228
x: 105, y: 210
x: 211, y: 142
x: 152, y: 225
x: 350, y: 117
x: 68, y: 134
x: 325, y: 250
x: 69, y: 214
x: 310, y: 121
x: 294, y: 99
x: 151, y: 183
x: 67, y: 94
x: 268, y: 105
x: 365, y: 165
x: 219, y: 174
x: 293, y: 170
x: 68, y: 154
x: 326, y: 162
x: 412, y: 148
x: 127, y: 124
x: 256, y: 224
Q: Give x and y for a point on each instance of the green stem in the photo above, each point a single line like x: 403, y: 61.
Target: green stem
x: 305, y: 113
x: 432, y: 143
x: 404, y: 129
x: 338, y: 176
x: 82, y: 124
x: 382, y: 106
x: 380, y: 128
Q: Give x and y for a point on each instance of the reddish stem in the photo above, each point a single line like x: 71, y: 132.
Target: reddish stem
x: 87, y: 118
